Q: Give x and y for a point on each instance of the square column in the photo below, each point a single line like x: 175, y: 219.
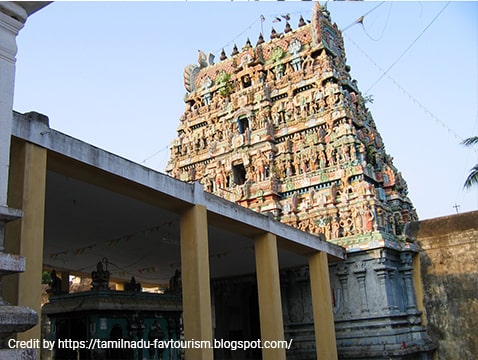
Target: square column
x: 9, y: 28
x: 325, y: 343
x: 268, y: 289
x: 13, y: 319
x: 27, y: 188
x: 197, y: 313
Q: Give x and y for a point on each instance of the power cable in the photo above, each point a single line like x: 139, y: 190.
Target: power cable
x: 384, y: 27
x: 385, y: 73
x: 241, y: 33
x: 156, y: 153
x: 405, y: 92
x: 361, y: 18
x: 408, y: 48
x: 260, y: 19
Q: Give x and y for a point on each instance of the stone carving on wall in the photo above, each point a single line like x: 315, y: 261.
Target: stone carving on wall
x: 292, y: 107
x: 282, y: 128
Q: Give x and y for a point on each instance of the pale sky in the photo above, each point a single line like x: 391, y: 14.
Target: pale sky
x: 111, y: 74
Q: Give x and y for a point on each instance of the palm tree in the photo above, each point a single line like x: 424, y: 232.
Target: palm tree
x: 472, y: 178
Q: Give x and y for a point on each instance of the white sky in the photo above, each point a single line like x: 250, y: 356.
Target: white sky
x: 110, y: 74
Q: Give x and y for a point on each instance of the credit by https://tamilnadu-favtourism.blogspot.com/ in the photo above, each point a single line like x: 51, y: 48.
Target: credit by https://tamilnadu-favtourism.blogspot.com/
x: 94, y: 344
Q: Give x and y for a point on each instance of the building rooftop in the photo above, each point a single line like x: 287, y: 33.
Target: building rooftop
x: 101, y: 205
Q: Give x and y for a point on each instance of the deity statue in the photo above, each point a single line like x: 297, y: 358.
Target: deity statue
x: 220, y: 179
x: 133, y: 285
x: 369, y: 218
x: 175, y: 285
x: 357, y: 220
x: 335, y: 228
x: 347, y: 224
x: 55, y: 284
x: 101, y: 277
x: 261, y: 162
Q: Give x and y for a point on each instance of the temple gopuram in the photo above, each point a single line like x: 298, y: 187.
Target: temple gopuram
x: 281, y: 128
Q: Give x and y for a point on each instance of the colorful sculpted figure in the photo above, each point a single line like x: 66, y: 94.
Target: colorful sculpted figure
x: 310, y: 154
x: 291, y: 105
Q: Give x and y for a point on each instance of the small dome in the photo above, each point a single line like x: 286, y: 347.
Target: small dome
x: 287, y: 28
x: 260, y: 40
x: 223, y: 55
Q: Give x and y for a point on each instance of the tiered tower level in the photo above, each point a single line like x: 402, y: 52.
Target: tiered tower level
x: 282, y: 128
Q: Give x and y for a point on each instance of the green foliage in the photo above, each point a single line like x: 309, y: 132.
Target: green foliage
x: 470, y: 141
x: 370, y: 155
x: 277, y: 54
x: 472, y: 179
x: 45, y: 277
x: 223, y: 81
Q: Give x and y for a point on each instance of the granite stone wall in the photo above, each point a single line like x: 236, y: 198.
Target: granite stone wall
x: 449, y: 266
x: 374, y: 306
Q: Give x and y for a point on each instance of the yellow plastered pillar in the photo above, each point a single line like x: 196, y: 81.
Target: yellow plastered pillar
x: 326, y: 347
x: 197, y: 313
x: 27, y: 187
x: 268, y: 289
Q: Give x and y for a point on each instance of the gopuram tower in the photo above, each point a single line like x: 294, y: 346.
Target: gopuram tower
x: 281, y: 128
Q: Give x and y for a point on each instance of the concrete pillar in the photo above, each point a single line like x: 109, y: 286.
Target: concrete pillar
x: 268, y: 289
x: 13, y: 319
x: 27, y: 188
x: 322, y: 307
x: 197, y: 313
x: 9, y: 28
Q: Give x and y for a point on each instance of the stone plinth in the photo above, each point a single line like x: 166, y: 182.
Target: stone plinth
x: 11, y: 264
x: 15, y: 319
x: 18, y: 354
x: 9, y: 214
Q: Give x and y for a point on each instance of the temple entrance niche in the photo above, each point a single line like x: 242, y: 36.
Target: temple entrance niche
x: 236, y: 315
x: 243, y: 124
x: 239, y: 174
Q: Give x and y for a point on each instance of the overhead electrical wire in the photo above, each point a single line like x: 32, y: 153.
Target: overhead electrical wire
x: 260, y: 19
x: 156, y: 153
x: 408, y: 48
x: 360, y: 20
x: 410, y: 96
x: 384, y: 26
x: 231, y: 42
